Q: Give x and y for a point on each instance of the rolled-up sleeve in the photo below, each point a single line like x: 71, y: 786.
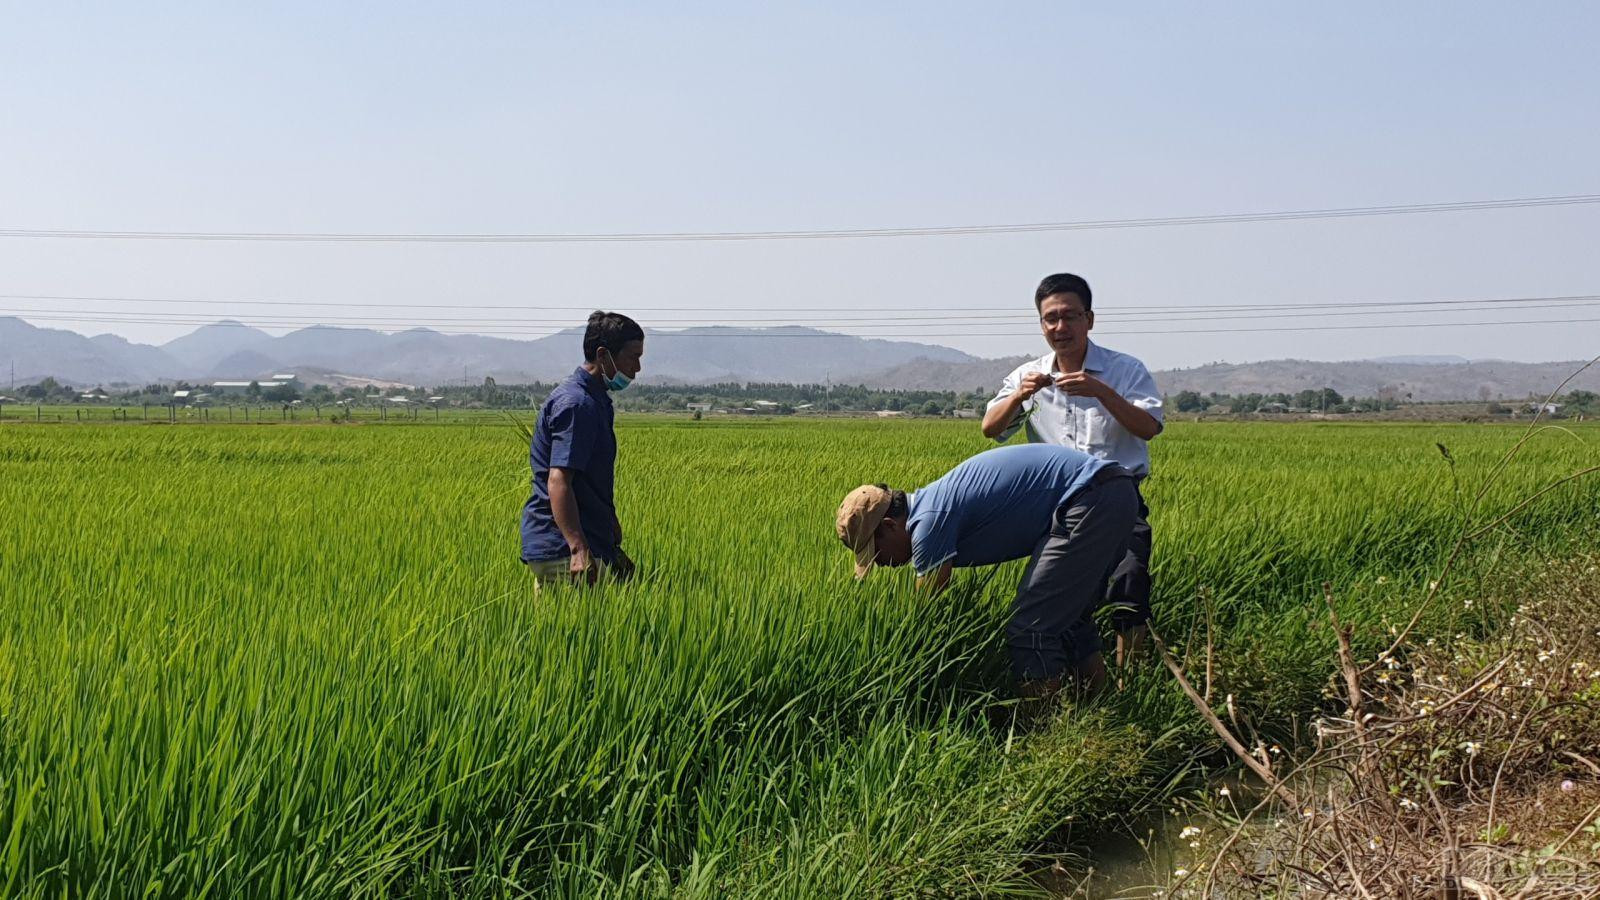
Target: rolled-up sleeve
x: 1142, y: 391
x: 1011, y: 384
x: 572, y: 437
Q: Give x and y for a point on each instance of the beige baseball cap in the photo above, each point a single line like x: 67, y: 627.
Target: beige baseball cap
x: 860, y: 514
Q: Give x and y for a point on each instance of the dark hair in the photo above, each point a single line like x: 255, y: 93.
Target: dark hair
x: 898, y: 507
x: 1064, y: 283
x: 610, y: 330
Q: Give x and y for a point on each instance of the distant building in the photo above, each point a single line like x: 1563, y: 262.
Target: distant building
x: 699, y: 407
x: 239, y: 387
x: 1272, y: 408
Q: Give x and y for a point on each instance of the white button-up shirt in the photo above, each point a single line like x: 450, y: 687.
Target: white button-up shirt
x: 1055, y: 417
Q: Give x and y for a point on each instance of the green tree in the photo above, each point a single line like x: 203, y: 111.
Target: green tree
x: 1189, y: 401
x: 283, y: 393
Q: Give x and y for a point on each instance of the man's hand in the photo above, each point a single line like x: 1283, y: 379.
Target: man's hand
x: 1032, y: 383
x: 1003, y: 412
x: 936, y: 581
x: 1082, y: 384
x: 581, y: 566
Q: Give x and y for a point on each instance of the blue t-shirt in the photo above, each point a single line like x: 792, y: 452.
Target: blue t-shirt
x: 994, y: 506
x: 574, y: 432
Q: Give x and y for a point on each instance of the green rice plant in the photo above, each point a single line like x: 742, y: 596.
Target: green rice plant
x: 248, y: 661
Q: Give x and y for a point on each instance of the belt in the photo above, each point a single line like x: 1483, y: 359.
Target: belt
x: 1108, y: 473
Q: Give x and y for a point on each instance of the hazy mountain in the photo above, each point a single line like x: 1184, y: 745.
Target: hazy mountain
x: 1422, y: 360
x: 124, y: 355
x: 925, y: 374
x: 243, y: 365
x: 1423, y: 382
x: 200, y: 350
x: 789, y: 354
x: 39, y: 352
x: 1481, y: 380
x: 422, y: 356
x: 700, y: 355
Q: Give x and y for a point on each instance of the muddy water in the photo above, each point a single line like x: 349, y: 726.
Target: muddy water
x: 1143, y: 860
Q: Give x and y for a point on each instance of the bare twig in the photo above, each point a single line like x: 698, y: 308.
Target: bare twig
x: 1222, y: 731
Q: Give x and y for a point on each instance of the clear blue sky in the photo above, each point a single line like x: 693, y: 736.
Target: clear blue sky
x: 380, y: 117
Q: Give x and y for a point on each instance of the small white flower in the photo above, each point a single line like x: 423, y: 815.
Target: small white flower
x: 1408, y: 804
x: 1180, y: 873
x: 1568, y: 787
x: 1383, y: 579
x: 1467, y: 603
x: 1433, y: 585
x: 1224, y: 792
x: 1188, y: 832
x: 1472, y: 747
x: 1544, y: 656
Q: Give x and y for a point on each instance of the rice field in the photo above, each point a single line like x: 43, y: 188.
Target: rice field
x: 305, y: 661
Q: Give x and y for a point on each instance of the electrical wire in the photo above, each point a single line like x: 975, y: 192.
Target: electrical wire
x: 664, y: 317
x: 747, y: 333
x: 821, y: 234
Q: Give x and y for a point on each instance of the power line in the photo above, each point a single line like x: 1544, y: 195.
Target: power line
x: 1008, y: 319
x: 747, y: 333
x: 821, y: 234
x: 931, y: 313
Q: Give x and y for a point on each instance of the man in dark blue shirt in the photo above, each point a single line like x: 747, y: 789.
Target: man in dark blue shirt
x: 570, y: 528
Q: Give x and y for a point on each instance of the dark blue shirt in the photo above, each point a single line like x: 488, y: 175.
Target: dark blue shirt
x: 574, y: 432
x: 994, y: 506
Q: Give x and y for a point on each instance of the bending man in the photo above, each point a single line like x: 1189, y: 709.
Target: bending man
x: 1072, y: 513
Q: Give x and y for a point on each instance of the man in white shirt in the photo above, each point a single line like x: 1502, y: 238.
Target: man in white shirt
x: 1101, y: 402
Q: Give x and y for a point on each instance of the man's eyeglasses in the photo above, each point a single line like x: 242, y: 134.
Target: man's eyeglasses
x: 1072, y: 318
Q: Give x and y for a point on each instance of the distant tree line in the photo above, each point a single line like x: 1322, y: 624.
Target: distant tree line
x: 769, y: 398
x: 1310, y: 400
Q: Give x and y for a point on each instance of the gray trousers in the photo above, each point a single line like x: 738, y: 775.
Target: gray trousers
x: 1129, y: 592
x: 1052, y: 624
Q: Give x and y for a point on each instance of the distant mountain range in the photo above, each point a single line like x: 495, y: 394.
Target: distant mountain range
x: 231, y: 351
